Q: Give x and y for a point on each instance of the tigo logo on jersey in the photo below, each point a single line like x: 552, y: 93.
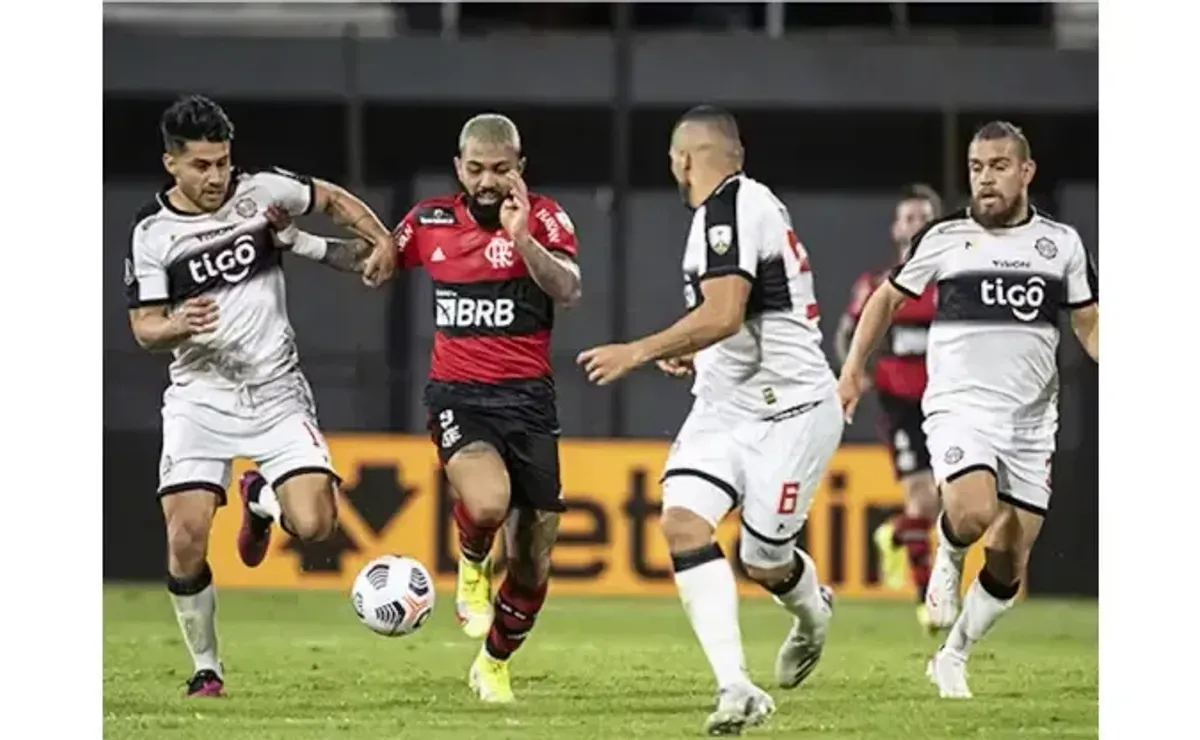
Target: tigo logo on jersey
x: 499, y: 252
x: 232, y: 264
x: 720, y: 238
x: 451, y: 310
x: 1023, y: 298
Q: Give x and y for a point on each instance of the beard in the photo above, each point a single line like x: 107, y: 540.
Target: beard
x: 1003, y: 215
x: 685, y: 193
x: 486, y: 215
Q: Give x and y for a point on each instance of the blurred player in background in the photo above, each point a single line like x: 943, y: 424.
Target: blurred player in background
x: 204, y: 281
x: 501, y: 259
x: 765, y: 422
x: 899, y: 379
x: 1003, y: 273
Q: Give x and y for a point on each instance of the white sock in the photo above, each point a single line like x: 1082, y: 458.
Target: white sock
x: 197, y: 615
x: 267, y: 504
x: 980, y: 611
x: 945, y: 546
x: 804, y: 600
x: 709, y: 595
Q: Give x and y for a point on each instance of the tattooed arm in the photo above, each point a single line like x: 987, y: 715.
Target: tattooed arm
x: 349, y: 212
x: 347, y: 255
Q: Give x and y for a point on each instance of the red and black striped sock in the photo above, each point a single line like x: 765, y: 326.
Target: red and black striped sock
x: 516, y: 611
x: 474, y: 540
x: 913, y: 533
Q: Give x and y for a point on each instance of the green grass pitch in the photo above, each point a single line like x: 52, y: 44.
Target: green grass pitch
x: 299, y: 667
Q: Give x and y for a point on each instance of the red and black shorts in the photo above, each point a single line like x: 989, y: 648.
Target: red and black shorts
x: 903, y: 429
x: 526, y: 437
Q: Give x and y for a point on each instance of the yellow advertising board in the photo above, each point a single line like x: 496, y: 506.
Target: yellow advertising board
x: 395, y: 500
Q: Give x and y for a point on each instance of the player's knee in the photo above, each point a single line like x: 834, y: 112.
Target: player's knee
x: 765, y: 563
x: 684, y: 530
x: 312, y: 524
x: 187, y: 545
x: 971, y: 509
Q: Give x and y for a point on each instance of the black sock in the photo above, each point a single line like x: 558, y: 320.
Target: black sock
x: 995, y: 588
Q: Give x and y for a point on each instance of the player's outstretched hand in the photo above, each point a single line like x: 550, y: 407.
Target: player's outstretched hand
x: 514, y: 212
x: 609, y: 363
x: 677, y: 367
x: 850, y: 388
x: 197, y: 315
x: 283, y: 229
x: 380, y: 265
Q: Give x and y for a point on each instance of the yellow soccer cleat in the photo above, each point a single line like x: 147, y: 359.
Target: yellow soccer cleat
x: 489, y: 679
x: 924, y: 620
x: 473, y: 597
x: 893, y: 559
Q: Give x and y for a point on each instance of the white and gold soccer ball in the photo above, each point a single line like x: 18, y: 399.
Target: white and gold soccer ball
x: 393, y: 595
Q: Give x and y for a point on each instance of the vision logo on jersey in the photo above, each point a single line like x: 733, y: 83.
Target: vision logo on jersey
x: 233, y: 264
x: 1023, y: 298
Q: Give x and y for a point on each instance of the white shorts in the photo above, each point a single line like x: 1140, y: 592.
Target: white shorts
x: 770, y: 467
x: 204, y: 429
x: 959, y: 444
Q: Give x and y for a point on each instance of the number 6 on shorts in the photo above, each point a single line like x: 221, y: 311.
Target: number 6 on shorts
x: 788, y: 495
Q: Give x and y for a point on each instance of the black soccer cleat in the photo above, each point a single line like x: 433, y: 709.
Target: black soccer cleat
x: 205, y: 683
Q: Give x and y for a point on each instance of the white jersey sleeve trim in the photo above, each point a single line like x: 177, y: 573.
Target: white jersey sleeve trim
x: 145, y: 274
x: 296, y: 193
x: 922, y: 264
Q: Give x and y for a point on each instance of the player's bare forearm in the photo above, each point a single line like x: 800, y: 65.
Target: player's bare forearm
x: 154, y: 330
x: 557, y: 276
x: 349, y: 212
x: 1086, y: 323
x: 692, y: 333
x: 346, y: 255
x: 875, y: 319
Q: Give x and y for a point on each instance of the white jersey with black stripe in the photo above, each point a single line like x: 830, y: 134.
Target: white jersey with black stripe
x: 994, y: 339
x: 227, y: 255
x: 775, y: 360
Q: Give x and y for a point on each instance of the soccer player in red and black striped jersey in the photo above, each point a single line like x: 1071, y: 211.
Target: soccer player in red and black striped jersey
x: 501, y: 259
x: 899, y: 379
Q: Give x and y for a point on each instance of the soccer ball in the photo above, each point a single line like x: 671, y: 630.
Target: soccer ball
x: 393, y: 595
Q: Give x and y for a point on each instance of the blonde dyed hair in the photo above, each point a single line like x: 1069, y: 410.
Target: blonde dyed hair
x: 491, y: 129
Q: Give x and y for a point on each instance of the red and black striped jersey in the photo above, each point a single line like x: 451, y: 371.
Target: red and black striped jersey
x: 492, y: 322
x: 900, y: 366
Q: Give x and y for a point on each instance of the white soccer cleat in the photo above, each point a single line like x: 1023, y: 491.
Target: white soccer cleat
x: 802, y: 648
x: 738, y: 707
x: 943, y: 597
x: 947, y: 669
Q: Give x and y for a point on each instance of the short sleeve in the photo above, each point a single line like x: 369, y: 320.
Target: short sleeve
x: 404, y: 236
x: 145, y: 273
x: 553, y: 228
x: 1082, y: 282
x: 297, y: 194
x: 921, y: 265
x: 732, y: 236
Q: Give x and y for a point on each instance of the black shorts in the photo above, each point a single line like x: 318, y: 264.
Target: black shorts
x: 529, y: 449
x: 902, y: 422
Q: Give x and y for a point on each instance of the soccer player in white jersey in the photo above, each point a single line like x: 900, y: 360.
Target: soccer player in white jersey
x: 765, y: 421
x: 204, y: 281
x: 1003, y: 272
